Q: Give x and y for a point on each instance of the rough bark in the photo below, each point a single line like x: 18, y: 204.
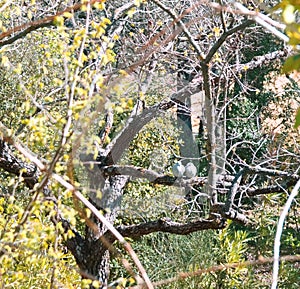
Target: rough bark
x: 14, y: 165
x: 105, y: 193
x: 169, y: 226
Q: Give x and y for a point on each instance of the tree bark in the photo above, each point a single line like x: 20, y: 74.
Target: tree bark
x: 105, y: 194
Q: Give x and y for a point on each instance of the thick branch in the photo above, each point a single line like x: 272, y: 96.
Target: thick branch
x: 271, y: 172
x: 135, y: 123
x: 133, y: 126
x: 152, y: 176
x: 13, y: 165
x: 210, y: 108
x: 259, y: 61
x: 76, y: 244
x: 219, y: 209
x: 251, y: 192
x: 168, y: 226
x: 233, y: 190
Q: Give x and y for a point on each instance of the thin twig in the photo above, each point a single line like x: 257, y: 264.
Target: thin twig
x: 184, y: 275
x: 182, y: 26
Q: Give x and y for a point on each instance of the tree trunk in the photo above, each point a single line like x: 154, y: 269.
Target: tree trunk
x: 95, y: 264
x: 105, y: 195
x: 189, y: 150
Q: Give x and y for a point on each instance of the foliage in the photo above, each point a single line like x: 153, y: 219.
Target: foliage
x: 31, y: 254
x: 68, y: 69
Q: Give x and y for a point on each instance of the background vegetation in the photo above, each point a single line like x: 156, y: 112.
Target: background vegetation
x: 100, y: 99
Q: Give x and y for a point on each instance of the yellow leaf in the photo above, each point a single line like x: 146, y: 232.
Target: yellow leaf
x: 48, y: 98
x: 68, y: 15
x: 131, y: 12
x: 96, y: 284
x: 217, y: 31
x: 5, y: 61
x: 123, y: 72
x: 18, y: 69
x: 137, y: 3
x: 99, y: 5
x: 29, y: 14
x: 19, y: 275
x: 288, y: 14
x: 105, y: 21
x: 58, y: 21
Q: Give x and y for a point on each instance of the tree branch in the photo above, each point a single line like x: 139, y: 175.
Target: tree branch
x: 25, y: 32
x: 260, y: 60
x: 223, y: 38
x: 152, y: 176
x: 279, y: 230
x: 184, y: 275
x: 31, y: 173
x: 233, y: 190
x: 271, y: 172
x: 135, y: 123
x: 13, y: 165
x: 182, y: 26
x: 168, y: 226
x: 49, y: 21
x: 252, y: 192
x: 260, y: 19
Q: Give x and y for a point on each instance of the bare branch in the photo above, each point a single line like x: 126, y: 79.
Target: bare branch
x: 271, y: 172
x: 135, y: 123
x: 182, y: 26
x: 262, y: 22
x: 26, y: 31
x: 233, y: 190
x: 152, y: 176
x: 168, y: 226
x: 259, y: 61
x: 251, y: 192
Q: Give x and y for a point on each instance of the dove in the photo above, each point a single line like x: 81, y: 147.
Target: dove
x: 190, y: 170
x: 178, y: 169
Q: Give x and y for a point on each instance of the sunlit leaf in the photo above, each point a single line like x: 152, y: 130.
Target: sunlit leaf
x: 297, y: 122
x: 292, y: 63
x: 288, y: 14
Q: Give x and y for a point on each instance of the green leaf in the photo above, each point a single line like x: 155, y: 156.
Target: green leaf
x: 297, y: 122
x: 292, y: 63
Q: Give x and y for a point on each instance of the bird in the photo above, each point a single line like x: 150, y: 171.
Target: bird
x: 178, y: 169
x: 190, y: 170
